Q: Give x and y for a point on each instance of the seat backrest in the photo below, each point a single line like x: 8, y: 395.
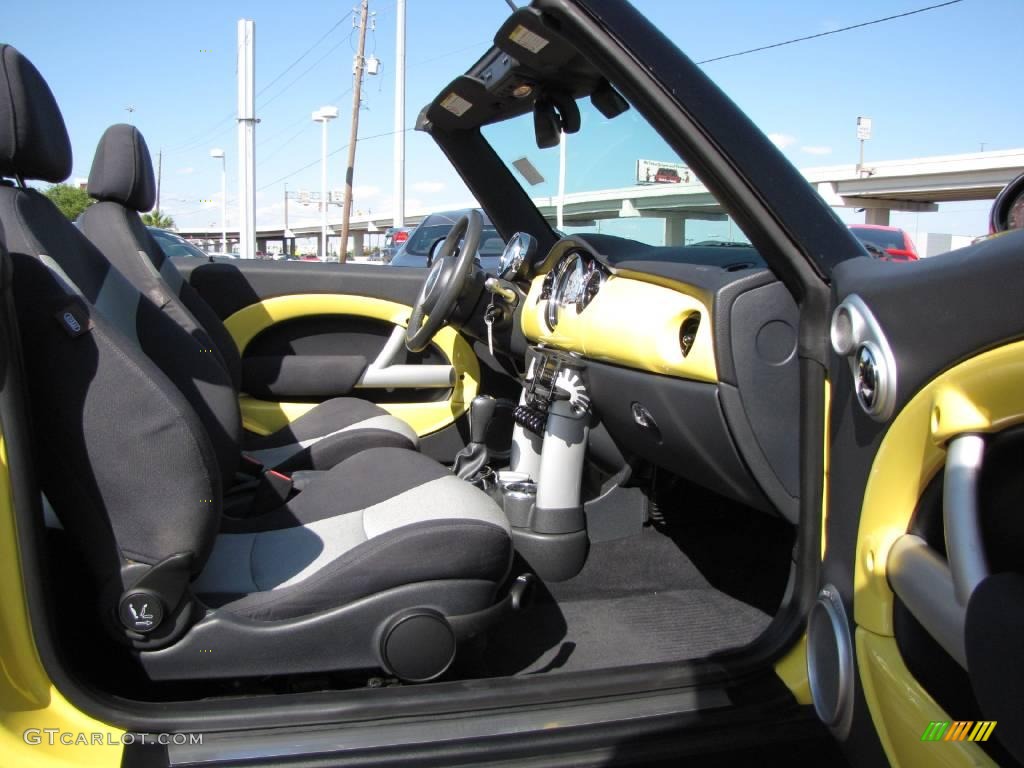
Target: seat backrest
x: 34, y: 145
x: 121, y: 180
x: 120, y: 454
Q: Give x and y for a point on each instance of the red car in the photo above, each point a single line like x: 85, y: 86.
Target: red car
x: 893, y: 240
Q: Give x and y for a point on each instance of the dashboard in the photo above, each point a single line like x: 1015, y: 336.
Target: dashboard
x: 688, y: 353
x: 580, y: 305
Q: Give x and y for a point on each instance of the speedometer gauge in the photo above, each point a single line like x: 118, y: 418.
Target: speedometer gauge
x: 572, y: 283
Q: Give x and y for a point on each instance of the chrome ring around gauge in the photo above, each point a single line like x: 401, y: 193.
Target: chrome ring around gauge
x: 567, y: 287
x: 518, y: 251
x: 592, y: 282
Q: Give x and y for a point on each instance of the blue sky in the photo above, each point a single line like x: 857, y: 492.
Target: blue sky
x: 935, y: 83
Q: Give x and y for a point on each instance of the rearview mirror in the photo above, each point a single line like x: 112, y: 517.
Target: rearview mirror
x: 553, y: 114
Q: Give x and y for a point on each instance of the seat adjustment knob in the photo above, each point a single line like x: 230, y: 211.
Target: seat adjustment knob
x: 141, y: 610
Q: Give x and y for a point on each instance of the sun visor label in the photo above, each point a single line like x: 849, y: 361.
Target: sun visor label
x: 455, y: 104
x: 524, y: 38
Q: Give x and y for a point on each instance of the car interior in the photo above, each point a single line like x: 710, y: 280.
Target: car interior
x: 256, y: 477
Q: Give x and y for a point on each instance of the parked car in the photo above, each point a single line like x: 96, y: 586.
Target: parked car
x: 394, y: 238
x: 175, y: 245
x: 894, y: 241
x: 416, y: 252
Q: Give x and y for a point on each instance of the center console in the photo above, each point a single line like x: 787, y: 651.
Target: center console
x: 541, y: 489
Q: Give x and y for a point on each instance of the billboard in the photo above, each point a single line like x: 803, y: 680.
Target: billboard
x: 661, y: 172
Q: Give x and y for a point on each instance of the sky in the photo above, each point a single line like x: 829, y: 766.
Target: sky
x: 934, y: 83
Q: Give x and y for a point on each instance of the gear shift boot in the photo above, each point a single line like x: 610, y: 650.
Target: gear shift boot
x: 473, y: 458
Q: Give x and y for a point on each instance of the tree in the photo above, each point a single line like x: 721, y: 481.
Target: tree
x: 69, y: 199
x: 157, y: 218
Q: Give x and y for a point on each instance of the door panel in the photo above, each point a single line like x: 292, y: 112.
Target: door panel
x: 336, y: 320
x: 951, y: 328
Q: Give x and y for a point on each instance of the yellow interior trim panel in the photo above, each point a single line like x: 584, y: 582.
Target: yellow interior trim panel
x: 982, y: 394
x: 29, y: 703
x: 629, y: 322
x: 792, y: 670
x: 264, y: 417
x: 902, y: 710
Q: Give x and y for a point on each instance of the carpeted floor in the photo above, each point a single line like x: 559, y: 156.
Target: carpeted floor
x: 638, y: 600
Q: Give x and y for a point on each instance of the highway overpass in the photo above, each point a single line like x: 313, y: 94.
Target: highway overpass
x: 916, y: 184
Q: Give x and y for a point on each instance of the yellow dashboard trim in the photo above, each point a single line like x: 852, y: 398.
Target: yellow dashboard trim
x: 630, y: 322
x: 263, y: 416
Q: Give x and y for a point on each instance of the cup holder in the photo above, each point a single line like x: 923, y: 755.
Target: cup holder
x: 518, y: 498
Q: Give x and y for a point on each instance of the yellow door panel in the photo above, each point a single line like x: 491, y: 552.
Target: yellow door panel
x: 264, y: 417
x: 901, y: 710
x: 28, y: 701
x: 982, y: 394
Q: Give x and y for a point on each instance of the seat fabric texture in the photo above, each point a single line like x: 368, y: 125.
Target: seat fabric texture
x: 383, y: 518
x: 133, y: 466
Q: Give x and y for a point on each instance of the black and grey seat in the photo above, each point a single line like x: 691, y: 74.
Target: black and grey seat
x: 385, y: 560
x: 121, y: 180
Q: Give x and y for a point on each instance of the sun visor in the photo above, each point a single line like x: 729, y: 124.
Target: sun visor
x: 525, y: 36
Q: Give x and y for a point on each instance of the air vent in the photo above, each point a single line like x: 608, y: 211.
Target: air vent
x: 688, y: 332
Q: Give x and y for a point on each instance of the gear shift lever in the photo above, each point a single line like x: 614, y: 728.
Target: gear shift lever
x: 473, y: 458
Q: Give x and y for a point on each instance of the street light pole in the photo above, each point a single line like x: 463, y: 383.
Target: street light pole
x: 215, y: 153
x: 398, y: 217
x: 322, y: 116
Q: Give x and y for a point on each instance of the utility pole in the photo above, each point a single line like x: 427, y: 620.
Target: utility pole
x: 346, y: 208
x: 159, y: 170
x: 285, y: 238
x: 399, y: 147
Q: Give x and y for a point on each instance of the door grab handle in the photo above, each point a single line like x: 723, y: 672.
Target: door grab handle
x: 964, y: 546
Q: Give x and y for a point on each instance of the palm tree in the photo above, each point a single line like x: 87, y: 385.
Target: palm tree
x: 157, y: 218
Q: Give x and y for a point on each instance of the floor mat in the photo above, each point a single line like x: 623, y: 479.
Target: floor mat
x: 638, y: 600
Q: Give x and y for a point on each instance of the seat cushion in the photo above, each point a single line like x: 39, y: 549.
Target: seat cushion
x: 384, y: 518
x: 330, y: 433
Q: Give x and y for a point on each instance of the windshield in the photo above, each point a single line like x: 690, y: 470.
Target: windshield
x: 426, y: 235
x: 621, y: 178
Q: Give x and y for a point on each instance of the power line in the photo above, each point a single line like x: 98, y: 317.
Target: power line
x: 830, y: 32
x: 304, y: 54
x: 302, y: 74
x: 201, y: 138
x: 342, y: 148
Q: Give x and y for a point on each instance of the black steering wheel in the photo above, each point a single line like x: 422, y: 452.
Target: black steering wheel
x: 445, y: 281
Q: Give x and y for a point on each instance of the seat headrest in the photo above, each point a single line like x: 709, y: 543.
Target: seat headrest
x: 122, y: 170
x: 34, y: 142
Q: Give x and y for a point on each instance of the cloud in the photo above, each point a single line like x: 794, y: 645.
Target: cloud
x: 782, y: 140
x: 428, y: 187
x: 817, y: 150
x: 186, y: 171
